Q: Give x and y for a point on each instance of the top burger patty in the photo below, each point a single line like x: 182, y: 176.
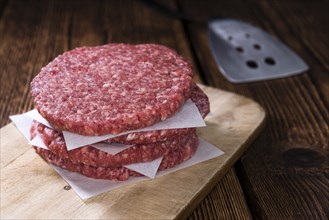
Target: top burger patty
x: 112, y: 88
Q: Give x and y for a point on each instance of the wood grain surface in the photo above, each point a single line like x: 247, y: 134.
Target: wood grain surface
x: 28, y: 183
x: 285, y: 173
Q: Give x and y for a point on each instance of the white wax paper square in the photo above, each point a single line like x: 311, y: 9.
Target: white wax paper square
x: 148, y: 169
x: 87, y: 187
x: 112, y: 148
x: 34, y: 114
x: 188, y: 117
x: 23, y: 124
x: 38, y: 142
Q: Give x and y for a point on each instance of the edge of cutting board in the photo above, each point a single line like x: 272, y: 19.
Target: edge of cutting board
x: 33, y: 190
x: 235, y: 155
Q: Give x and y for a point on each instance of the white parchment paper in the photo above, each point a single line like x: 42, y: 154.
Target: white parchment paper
x: 87, y: 187
x: 188, y: 117
x: 112, y: 148
x: 23, y: 124
x: 38, y: 142
x: 148, y: 169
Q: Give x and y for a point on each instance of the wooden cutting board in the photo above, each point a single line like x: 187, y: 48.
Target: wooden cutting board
x: 31, y: 189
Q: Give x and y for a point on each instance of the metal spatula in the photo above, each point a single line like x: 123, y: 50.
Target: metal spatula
x: 245, y: 53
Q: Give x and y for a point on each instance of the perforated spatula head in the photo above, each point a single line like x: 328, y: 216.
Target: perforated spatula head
x: 245, y: 53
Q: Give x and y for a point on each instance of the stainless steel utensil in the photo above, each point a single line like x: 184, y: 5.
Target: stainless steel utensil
x: 245, y: 53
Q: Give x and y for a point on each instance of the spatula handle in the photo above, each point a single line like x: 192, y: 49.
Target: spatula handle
x: 183, y: 16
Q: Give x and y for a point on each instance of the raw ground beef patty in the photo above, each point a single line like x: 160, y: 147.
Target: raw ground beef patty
x: 112, y: 88
x: 173, y: 158
x: 198, y: 97
x: 94, y: 157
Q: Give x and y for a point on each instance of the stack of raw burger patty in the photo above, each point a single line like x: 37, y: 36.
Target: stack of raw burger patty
x: 110, y: 89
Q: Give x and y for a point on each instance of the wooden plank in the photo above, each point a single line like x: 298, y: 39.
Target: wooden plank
x: 28, y: 42
x: 28, y: 184
x: 220, y: 205
x: 284, y: 172
x: 293, y: 20
x: 2, y: 6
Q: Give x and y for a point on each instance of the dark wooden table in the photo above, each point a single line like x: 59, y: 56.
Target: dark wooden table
x: 284, y: 174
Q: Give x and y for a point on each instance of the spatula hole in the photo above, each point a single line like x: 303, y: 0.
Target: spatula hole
x: 252, y: 64
x: 257, y: 46
x: 247, y: 35
x: 269, y: 61
x: 239, y: 49
x: 230, y: 38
